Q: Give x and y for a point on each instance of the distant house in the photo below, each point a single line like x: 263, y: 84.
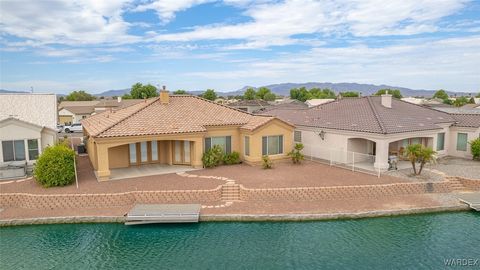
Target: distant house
x: 74, y: 111
x: 177, y: 130
x: 27, y: 126
x: 379, y: 126
x: 317, y: 101
x: 250, y: 106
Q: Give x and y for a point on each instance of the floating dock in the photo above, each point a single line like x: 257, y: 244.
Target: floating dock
x: 163, y: 213
x: 471, y: 199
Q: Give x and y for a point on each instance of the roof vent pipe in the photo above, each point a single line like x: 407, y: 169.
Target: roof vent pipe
x: 387, y: 100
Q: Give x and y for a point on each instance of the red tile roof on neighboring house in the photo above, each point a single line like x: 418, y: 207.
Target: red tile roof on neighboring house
x: 183, y: 114
x: 365, y: 114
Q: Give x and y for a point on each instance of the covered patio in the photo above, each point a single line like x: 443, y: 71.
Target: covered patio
x: 147, y: 170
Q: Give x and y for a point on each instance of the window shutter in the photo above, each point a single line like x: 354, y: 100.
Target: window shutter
x: 228, y: 146
x: 280, y: 144
x: 264, y: 146
x: 208, y: 144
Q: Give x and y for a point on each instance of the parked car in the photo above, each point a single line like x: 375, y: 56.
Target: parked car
x: 59, y: 128
x: 77, y: 127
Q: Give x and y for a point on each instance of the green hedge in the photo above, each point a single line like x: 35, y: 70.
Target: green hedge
x: 55, y: 167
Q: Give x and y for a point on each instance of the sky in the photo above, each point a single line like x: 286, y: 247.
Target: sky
x: 63, y: 45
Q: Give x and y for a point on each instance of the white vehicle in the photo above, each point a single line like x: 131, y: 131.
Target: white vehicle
x: 59, y: 128
x: 77, y: 127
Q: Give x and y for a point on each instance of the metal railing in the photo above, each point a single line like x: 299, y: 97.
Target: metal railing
x: 354, y: 161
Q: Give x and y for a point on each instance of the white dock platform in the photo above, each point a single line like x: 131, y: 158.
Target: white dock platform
x: 163, y: 213
x: 472, y: 199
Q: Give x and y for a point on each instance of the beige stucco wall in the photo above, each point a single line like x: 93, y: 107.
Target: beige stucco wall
x: 273, y: 128
x: 118, y: 156
x: 472, y: 134
x: 234, y: 132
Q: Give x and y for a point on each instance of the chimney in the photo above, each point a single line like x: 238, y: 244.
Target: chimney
x: 387, y: 100
x: 164, y: 95
x: 119, y: 99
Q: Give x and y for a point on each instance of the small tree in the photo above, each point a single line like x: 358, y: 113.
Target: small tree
x: 79, y: 96
x: 441, y: 94
x: 460, y: 101
x: 262, y: 91
x: 394, y: 92
x: 349, y: 94
x: 249, y: 94
x: 475, y: 148
x: 210, y: 95
x: 419, y: 153
x: 54, y: 167
x: 140, y: 91
x: 180, y: 92
x: 296, y: 153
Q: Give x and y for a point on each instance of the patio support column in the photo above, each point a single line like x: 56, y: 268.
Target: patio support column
x: 170, y: 152
x: 103, y: 170
x: 197, y: 153
x: 381, y: 155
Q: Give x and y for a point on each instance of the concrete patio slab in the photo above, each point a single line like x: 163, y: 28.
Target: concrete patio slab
x: 147, y: 170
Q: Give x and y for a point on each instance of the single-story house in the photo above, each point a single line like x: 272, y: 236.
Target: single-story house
x: 75, y: 111
x: 378, y: 127
x: 178, y: 129
x: 27, y: 126
x: 250, y: 106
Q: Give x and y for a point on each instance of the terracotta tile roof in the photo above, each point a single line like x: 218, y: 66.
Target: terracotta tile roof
x: 183, y: 114
x: 366, y: 114
x: 467, y: 120
x: 257, y: 121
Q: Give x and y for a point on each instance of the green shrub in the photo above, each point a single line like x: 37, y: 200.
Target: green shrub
x: 296, y: 153
x: 475, y: 148
x: 213, y: 157
x: 232, y: 158
x: 54, y: 167
x: 267, y: 162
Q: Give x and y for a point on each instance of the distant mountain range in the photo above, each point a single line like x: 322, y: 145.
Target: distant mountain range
x: 284, y: 89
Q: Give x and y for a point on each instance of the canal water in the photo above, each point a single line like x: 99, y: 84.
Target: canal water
x: 404, y: 242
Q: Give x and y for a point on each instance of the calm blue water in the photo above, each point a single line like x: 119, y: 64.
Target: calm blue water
x: 408, y: 242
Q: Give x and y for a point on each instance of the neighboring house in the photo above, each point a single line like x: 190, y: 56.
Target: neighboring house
x: 250, y: 106
x: 27, y: 126
x: 75, y: 111
x: 378, y: 126
x: 466, y: 129
x: 317, y: 101
x: 178, y: 129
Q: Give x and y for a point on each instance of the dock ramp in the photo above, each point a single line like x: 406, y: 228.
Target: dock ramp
x: 471, y: 199
x: 163, y: 213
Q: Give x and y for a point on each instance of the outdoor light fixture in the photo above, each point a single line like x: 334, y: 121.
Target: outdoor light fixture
x: 322, y: 135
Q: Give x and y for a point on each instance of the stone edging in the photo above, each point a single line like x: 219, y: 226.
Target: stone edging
x: 241, y: 217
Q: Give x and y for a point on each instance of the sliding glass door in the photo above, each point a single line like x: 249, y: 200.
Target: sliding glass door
x: 181, y: 152
x: 143, y: 152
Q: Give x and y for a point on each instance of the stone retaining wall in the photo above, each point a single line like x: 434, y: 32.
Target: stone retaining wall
x: 472, y: 184
x: 24, y: 200
x: 341, y: 192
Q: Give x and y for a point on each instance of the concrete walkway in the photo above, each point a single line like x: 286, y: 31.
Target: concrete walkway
x: 147, y: 170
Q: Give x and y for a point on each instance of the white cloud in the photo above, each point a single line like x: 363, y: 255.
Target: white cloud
x: 278, y: 23
x: 450, y: 63
x: 66, y: 22
x: 166, y: 9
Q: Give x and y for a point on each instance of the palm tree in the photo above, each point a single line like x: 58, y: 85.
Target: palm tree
x: 419, y: 153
